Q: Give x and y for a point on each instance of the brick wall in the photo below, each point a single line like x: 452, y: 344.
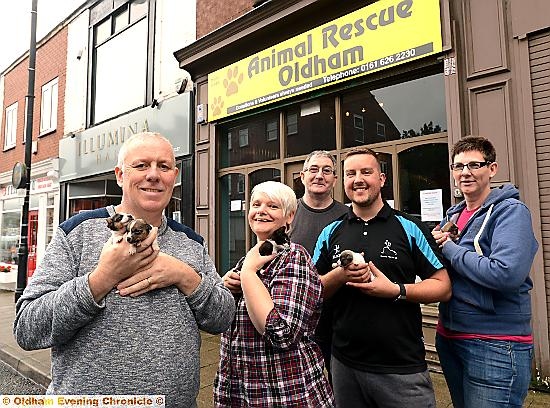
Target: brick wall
x: 51, y: 62
x: 212, y: 14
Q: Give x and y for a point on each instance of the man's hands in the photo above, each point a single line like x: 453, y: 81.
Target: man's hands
x: 116, y: 264
x: 381, y: 286
x: 165, y: 270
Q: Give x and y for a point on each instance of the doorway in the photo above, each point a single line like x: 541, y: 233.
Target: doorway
x: 32, y: 234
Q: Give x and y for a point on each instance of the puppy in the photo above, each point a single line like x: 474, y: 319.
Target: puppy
x: 117, y: 223
x: 452, y: 229
x: 278, y: 241
x: 348, y: 257
x: 136, y: 231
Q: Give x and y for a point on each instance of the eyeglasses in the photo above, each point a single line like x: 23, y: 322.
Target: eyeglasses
x: 474, y: 165
x: 325, y: 170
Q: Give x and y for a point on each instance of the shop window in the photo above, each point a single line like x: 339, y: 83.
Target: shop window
x: 311, y: 126
x: 380, y: 130
x: 272, y: 130
x: 243, y: 137
x: 359, y: 128
x: 416, y: 173
x: 10, y: 134
x: 292, y: 124
x: 389, y: 113
x: 48, y: 108
x: 10, y: 230
x: 253, y: 144
x: 50, y: 211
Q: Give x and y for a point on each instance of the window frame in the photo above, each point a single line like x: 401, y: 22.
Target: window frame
x: 243, y: 137
x: 53, y: 103
x: 10, y: 133
x: 106, y: 15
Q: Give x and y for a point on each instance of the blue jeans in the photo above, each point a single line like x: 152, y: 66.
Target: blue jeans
x: 485, y: 373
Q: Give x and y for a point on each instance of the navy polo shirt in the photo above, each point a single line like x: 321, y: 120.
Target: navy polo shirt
x: 378, y: 334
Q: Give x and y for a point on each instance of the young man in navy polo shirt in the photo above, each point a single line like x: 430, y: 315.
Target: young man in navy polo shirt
x: 378, y: 346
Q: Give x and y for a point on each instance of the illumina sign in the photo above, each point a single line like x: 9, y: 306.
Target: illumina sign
x: 376, y: 37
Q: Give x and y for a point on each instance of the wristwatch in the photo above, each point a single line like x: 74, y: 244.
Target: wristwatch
x: 402, y: 292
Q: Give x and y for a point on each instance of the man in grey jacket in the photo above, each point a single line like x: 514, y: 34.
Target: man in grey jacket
x: 119, y: 323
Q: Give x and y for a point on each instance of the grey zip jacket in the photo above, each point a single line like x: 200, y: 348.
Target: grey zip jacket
x: 144, y: 345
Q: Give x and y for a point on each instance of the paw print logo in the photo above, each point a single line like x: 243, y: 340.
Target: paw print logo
x: 217, y: 105
x: 231, y: 83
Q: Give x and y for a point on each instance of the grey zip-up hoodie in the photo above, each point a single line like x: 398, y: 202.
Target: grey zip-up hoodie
x: 144, y: 345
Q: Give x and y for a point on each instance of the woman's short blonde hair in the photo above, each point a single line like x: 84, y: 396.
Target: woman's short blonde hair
x: 277, y: 191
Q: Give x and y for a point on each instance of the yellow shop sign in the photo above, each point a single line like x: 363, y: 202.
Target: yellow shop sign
x: 378, y: 36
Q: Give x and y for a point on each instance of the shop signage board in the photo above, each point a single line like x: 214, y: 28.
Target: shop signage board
x: 373, y: 38
x: 95, y: 150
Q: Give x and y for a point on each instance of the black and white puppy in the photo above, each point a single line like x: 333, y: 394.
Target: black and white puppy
x: 118, y: 223
x: 136, y: 231
x: 278, y: 241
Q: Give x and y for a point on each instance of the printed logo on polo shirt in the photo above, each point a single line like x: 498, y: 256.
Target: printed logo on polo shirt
x: 336, y: 252
x: 387, y: 252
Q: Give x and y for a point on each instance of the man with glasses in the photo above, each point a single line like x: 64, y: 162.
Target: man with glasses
x: 484, y: 337
x: 317, y: 209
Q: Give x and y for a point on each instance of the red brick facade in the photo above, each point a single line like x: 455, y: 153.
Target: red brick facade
x: 51, y: 63
x: 212, y: 14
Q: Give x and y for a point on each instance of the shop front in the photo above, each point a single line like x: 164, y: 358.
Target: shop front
x: 42, y: 221
x: 365, y: 78
x: 405, y: 78
x: 87, y: 159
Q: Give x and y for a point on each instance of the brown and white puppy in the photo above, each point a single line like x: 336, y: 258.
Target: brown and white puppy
x: 452, y: 229
x: 136, y: 231
x: 278, y: 241
x: 118, y: 223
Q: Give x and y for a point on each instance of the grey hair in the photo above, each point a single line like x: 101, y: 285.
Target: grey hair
x: 277, y: 191
x: 319, y: 153
x: 137, y: 138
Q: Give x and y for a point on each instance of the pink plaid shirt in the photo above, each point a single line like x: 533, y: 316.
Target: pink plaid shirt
x: 284, y: 367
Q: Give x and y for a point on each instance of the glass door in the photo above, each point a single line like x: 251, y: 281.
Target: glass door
x: 234, y: 233
x: 424, y: 181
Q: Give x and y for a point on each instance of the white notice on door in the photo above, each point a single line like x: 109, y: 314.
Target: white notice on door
x: 431, y: 205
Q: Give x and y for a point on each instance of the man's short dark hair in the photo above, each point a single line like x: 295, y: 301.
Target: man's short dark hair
x: 363, y: 150
x: 475, y: 143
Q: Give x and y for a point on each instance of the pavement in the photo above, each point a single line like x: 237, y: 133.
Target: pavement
x: 36, y: 365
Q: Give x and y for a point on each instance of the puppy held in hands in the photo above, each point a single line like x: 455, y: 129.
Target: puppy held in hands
x: 348, y: 257
x: 278, y: 241
x: 136, y: 231
x: 452, y: 229
x: 118, y: 223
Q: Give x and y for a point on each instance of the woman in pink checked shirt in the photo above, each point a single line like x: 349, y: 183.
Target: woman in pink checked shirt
x: 268, y: 357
